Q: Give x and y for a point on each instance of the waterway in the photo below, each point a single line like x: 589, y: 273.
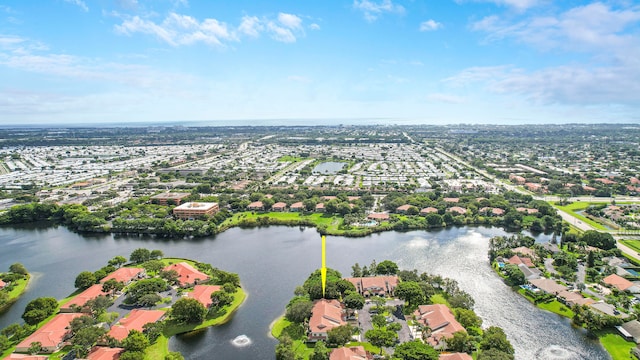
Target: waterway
x: 329, y: 168
x: 272, y: 261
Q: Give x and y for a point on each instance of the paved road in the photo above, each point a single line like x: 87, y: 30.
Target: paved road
x: 548, y: 264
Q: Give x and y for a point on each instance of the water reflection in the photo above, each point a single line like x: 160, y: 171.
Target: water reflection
x: 272, y: 261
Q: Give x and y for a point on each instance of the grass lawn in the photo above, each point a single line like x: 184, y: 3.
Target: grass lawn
x: 576, y: 206
x: 331, y: 222
x: 367, y: 346
x: 19, y: 288
x: 633, y: 244
x: 279, y: 325
x: 439, y: 299
x: 158, y: 350
x: 557, y: 307
x: 616, y: 345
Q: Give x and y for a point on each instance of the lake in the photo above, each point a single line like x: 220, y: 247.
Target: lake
x: 272, y: 261
x: 329, y: 168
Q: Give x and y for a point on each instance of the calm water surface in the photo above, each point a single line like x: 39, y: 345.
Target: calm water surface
x: 272, y: 261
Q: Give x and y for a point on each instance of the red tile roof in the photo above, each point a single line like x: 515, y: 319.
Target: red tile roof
x: 451, y: 200
x: 91, y: 293
x: 124, y: 274
x: 429, y: 210
x: 377, y: 285
x: 2, y: 284
x: 517, y: 260
x: 378, y: 216
x: 297, y: 205
x: 348, y: 353
x: 256, y: 205
x: 202, y: 293
x: 279, y: 205
x: 458, y: 209
x: 440, y: 320
x: 104, y: 353
x: 619, y: 282
x: 51, y: 334
x: 187, y: 274
x: 135, y: 321
x: 325, y: 315
x: 403, y: 207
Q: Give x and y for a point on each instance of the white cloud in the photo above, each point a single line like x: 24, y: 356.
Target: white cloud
x: 430, y: 25
x: 519, y: 5
x: 251, y: 26
x: 178, y: 29
x: 314, y: 26
x: 372, y: 10
x: 79, y: 3
x: 289, y: 20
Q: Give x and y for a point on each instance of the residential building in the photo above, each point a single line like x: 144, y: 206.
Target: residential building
x: 2, y: 284
x: 51, y: 335
x: 618, y: 282
x: 517, y: 260
x: 187, y: 274
x: 320, y: 207
x: 255, y: 206
x: 104, y: 353
x: 135, y: 321
x: 325, y: 315
x: 350, y: 353
x: 547, y: 285
x: 440, y: 324
x: 202, y: 293
x: 125, y: 275
x: 298, y: 206
x: 193, y: 210
x: 428, y: 210
x: 81, y: 299
x: 25, y: 357
x: 630, y: 330
x: 279, y: 206
x: 403, y: 208
x: 378, y: 217
x: 458, y: 210
x: 375, y: 285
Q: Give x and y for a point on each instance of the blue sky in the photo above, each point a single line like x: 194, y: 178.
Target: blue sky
x: 431, y: 61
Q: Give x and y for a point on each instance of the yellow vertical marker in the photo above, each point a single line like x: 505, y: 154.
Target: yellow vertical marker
x: 323, y: 269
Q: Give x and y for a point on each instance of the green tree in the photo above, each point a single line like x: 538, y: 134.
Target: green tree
x: 132, y: 355
x: 514, y: 276
x: 221, y: 298
x: 112, y: 286
x: 35, y: 348
x: 356, y: 270
x: 153, y: 331
x: 149, y: 300
x: 299, y: 311
x: 411, y: 292
x: 387, y: 267
x: 354, y: 301
x: 381, y: 337
x: 467, y: 318
x: 84, y: 280
x: 415, y: 350
x: 284, y: 350
x: 320, y: 352
x: 174, y: 356
x: 494, y: 354
x: 156, y: 254
x: 118, y: 261
x: 495, y: 338
x: 135, y: 341
x: 140, y: 255
x: 379, y: 321
x: 460, y: 342
x: 85, y: 338
x: 171, y: 276
x: 18, y: 268
x: 143, y: 287
x: 39, y: 309
x: 340, y: 335
x: 187, y: 310
x: 153, y: 266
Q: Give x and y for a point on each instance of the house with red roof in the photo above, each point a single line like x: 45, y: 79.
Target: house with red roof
x: 125, y: 275
x: 451, y: 200
x: 350, y: 353
x: 279, y: 206
x: 517, y: 260
x: 440, y: 323
x: 135, y: 321
x: 297, y: 206
x: 325, y: 315
x: 81, y: 299
x: 320, y: 207
x: 2, y: 284
x: 202, y: 293
x: 104, y: 353
x: 51, y: 335
x: 403, y: 208
x: 618, y: 282
x: 455, y: 356
x: 256, y: 205
x: 375, y: 285
x: 378, y: 216
x: 458, y: 210
x: 187, y: 274
x: 428, y: 210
